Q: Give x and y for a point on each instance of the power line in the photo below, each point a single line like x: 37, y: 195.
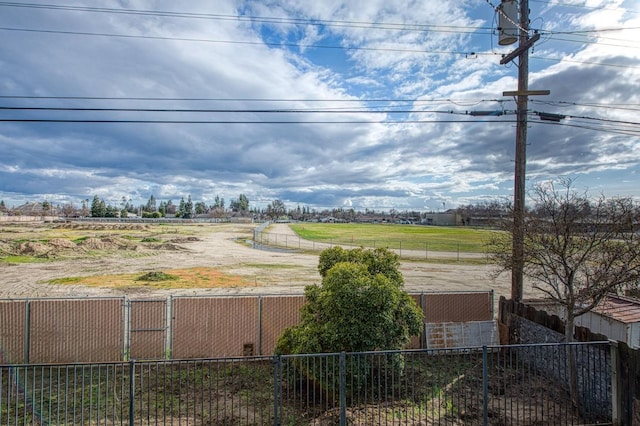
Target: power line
x: 313, y: 46
x: 593, y: 128
x: 573, y: 61
x: 252, y: 43
x: 557, y: 3
x: 226, y: 110
x: 262, y: 19
x: 113, y: 121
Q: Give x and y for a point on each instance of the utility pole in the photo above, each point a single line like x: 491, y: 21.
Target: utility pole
x: 522, y: 52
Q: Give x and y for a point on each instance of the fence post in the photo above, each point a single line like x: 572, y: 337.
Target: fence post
x: 616, y: 408
x: 132, y: 391
x: 485, y: 387
x: 168, y: 342
x: 259, y: 345
x: 126, y: 328
x: 343, y: 389
x: 27, y: 331
x: 492, y: 301
x: 276, y: 388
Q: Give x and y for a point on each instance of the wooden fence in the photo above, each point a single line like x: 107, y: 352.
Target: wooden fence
x: 114, y: 329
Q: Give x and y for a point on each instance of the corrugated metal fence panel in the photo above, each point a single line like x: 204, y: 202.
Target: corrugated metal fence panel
x: 76, y: 330
x: 214, y: 327
x: 12, y: 327
x: 148, y: 329
x: 461, y: 335
x: 457, y: 307
x: 278, y: 313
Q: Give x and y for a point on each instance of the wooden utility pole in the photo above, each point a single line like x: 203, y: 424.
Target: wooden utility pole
x: 521, y: 157
x: 522, y: 52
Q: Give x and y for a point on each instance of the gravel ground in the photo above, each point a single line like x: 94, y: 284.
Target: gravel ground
x: 223, y: 246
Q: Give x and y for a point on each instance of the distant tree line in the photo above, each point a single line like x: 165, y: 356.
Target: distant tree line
x: 187, y: 208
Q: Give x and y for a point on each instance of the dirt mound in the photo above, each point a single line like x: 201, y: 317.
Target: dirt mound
x: 103, y: 226
x: 5, y: 248
x: 108, y: 243
x: 118, y: 242
x: 61, y: 243
x: 171, y: 247
x: 31, y: 248
x: 96, y: 244
x: 185, y: 240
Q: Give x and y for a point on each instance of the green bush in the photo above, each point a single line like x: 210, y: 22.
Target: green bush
x: 360, y: 306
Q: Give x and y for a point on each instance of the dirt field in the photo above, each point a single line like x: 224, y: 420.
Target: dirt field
x: 103, y: 250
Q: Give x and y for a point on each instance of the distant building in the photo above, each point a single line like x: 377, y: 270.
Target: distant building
x: 442, y: 219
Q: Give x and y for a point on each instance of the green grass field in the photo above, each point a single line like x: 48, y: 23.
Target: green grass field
x: 406, y: 237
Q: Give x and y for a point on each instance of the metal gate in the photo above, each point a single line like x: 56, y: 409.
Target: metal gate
x: 148, y: 329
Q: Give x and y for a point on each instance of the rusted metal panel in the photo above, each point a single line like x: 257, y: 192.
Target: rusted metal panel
x: 214, y: 327
x: 278, y: 313
x: 148, y: 329
x: 12, y: 331
x: 620, y: 308
x: 457, y: 307
x: 76, y: 330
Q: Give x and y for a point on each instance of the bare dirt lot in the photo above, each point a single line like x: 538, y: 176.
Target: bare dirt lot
x: 88, y: 249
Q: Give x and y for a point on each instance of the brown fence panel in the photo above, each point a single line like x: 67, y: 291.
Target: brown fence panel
x: 278, y: 313
x: 214, y: 327
x: 148, y: 328
x: 67, y: 331
x: 13, y: 316
x: 457, y: 307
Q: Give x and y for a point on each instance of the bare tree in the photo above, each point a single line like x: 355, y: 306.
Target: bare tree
x: 576, y: 250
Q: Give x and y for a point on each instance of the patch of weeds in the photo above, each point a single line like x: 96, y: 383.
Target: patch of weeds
x: 154, y: 276
x: 80, y: 239
x: 24, y: 259
x: 66, y: 280
x: 151, y: 240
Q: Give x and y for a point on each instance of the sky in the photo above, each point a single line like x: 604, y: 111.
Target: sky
x: 363, y: 104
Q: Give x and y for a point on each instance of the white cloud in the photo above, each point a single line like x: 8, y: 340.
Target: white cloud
x: 326, y: 164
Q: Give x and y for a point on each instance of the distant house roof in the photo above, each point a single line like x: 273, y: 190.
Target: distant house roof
x: 620, y: 308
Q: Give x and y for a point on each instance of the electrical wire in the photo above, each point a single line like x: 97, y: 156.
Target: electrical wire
x: 254, y: 43
x: 232, y: 111
x: 557, y: 3
x: 141, y: 121
x: 260, y: 19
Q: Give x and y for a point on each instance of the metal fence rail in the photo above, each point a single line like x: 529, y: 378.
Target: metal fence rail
x: 513, y: 385
x: 405, y: 249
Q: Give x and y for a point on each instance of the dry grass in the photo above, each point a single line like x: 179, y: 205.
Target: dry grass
x: 199, y: 277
